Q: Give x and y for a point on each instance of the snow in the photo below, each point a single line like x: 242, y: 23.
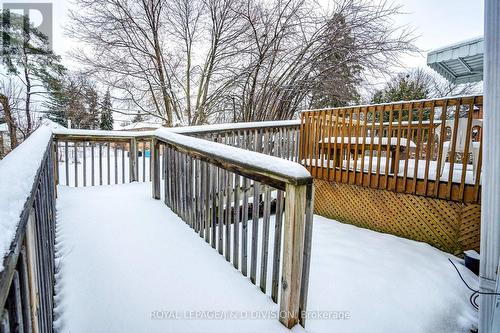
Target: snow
x: 368, y: 140
x: 271, y: 165
x: 180, y: 130
x: 17, y: 171
x: 118, y: 263
x: 389, y: 284
x: 140, y: 125
x: 51, y: 124
x: 239, y: 126
x: 121, y: 134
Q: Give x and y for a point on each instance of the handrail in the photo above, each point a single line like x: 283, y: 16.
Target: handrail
x: 188, y: 130
x: 104, y: 157
x: 273, y: 170
x: 208, y: 185
x: 27, y: 225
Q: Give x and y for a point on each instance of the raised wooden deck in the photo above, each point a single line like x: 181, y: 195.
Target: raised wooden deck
x: 412, y: 168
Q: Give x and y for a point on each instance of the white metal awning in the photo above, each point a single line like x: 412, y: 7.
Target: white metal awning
x: 459, y: 63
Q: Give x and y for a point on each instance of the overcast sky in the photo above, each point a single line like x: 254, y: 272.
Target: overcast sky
x: 437, y: 23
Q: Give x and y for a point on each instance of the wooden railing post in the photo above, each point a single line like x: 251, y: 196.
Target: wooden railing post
x: 155, y: 168
x: 293, y: 245
x: 133, y: 160
x: 306, y: 260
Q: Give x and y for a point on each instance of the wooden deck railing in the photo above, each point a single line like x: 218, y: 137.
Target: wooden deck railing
x: 426, y: 147
x: 275, y: 138
x: 90, y: 158
x: 27, y: 278
x: 222, y: 191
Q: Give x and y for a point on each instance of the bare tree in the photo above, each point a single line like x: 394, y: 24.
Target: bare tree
x: 126, y: 51
x: 10, y: 99
x: 198, y: 61
x: 302, y: 55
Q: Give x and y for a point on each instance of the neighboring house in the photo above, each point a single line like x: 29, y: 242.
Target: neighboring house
x: 5, y: 137
x: 141, y: 126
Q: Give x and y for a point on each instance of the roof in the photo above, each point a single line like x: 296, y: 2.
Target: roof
x: 459, y: 63
x: 45, y: 121
x: 141, y: 124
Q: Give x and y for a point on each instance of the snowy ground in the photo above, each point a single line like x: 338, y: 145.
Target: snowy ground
x: 118, y: 166
x: 126, y: 260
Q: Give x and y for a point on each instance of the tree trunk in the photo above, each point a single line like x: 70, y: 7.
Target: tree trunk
x: 11, y: 124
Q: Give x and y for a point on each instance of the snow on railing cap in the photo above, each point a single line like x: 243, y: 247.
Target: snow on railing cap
x: 17, y: 173
x: 269, y: 166
x: 180, y: 130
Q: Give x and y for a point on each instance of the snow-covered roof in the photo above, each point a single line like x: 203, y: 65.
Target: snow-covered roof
x: 51, y: 124
x: 45, y: 121
x: 460, y: 62
x: 140, y: 125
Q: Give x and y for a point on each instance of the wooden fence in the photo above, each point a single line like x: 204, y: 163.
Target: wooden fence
x: 27, y: 280
x: 427, y: 147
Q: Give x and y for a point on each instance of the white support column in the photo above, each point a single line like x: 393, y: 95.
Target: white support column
x: 490, y: 196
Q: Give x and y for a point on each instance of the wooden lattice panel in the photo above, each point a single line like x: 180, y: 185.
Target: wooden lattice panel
x: 450, y: 226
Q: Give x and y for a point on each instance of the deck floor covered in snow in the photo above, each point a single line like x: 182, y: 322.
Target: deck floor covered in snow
x: 126, y: 263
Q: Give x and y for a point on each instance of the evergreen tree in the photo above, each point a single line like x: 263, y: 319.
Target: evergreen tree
x: 413, y: 85
x: 138, y: 118
x: 336, y: 72
x: 92, y: 108
x: 57, y: 106
x: 107, y: 113
x: 26, y: 54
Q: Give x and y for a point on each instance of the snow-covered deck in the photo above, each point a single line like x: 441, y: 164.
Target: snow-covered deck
x: 126, y: 263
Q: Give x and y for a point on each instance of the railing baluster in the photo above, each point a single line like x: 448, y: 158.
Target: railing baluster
x: 213, y: 205
x: 108, y: 161
x: 122, y: 146
x: 417, y: 149
x: 229, y: 192
x: 452, y: 152
x: 220, y: 222
x: 100, y: 163
x: 133, y: 161
x: 116, y: 162
x: 277, y: 246
x: 84, y: 163
x: 265, y: 238
x: 244, y: 228
x: 430, y: 147
x: 255, y: 231
x: 92, y: 167
x: 236, y: 222
x: 76, y: 162
x: 66, y: 162
x: 144, y: 161
x: 388, y: 158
